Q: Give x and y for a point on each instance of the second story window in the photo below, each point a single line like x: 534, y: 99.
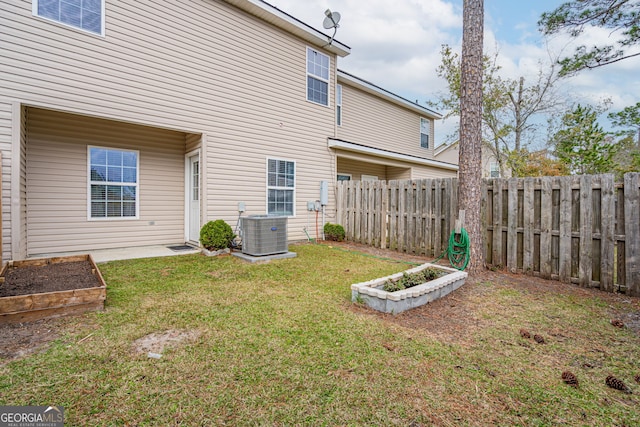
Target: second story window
x: 425, y: 130
x: 87, y: 15
x: 339, y: 105
x: 317, y: 77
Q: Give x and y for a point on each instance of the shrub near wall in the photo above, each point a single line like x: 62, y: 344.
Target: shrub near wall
x: 334, y: 232
x: 216, y: 235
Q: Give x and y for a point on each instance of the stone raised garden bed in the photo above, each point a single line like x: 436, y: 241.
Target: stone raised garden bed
x: 50, y: 287
x: 372, y: 293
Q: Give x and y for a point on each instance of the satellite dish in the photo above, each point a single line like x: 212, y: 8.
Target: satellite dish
x: 331, y: 21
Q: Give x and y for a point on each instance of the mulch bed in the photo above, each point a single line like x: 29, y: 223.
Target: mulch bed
x: 48, y: 278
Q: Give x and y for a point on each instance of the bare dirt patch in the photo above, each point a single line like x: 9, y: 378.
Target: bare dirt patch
x: 62, y: 276
x: 158, y: 342
x: 18, y: 340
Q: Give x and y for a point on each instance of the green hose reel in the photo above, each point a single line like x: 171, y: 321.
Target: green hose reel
x: 458, y: 249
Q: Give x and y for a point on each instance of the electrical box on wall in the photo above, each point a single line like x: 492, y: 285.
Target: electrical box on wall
x: 311, y: 206
x: 324, y: 193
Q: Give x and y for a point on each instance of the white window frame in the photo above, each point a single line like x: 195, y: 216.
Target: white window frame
x: 428, y: 133
x: 364, y: 177
x: 90, y: 182
x: 321, y: 78
x: 274, y: 187
x: 34, y: 11
x: 339, y: 105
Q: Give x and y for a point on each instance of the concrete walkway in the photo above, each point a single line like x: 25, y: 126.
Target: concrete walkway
x: 104, y: 255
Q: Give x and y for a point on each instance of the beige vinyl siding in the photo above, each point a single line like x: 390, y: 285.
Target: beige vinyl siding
x: 201, y: 67
x: 57, y: 184
x: 427, y: 172
x: 193, y: 142
x: 357, y: 169
x: 450, y: 155
x: 23, y: 180
x: 396, y: 173
x: 236, y: 176
x: 214, y: 63
x: 374, y: 122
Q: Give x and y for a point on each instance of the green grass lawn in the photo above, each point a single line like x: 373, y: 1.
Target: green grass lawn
x: 281, y: 344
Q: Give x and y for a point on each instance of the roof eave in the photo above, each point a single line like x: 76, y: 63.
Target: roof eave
x: 286, y: 22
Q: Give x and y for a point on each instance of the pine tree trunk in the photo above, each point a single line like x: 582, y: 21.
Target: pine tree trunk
x: 470, y: 172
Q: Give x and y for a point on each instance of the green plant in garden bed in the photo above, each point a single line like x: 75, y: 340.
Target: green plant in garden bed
x: 409, y: 280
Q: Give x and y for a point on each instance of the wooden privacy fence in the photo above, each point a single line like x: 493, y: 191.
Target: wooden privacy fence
x: 582, y: 229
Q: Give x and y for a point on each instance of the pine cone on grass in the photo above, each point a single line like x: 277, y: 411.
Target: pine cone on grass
x: 570, y: 379
x: 539, y: 339
x: 617, y: 323
x: 615, y: 383
x: 525, y: 334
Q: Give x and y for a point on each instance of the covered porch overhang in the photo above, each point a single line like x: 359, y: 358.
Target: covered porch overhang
x: 57, y: 200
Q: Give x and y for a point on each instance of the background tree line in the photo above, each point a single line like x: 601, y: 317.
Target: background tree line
x: 530, y: 126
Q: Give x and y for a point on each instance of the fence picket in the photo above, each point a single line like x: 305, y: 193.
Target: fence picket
x: 528, y: 224
x: 418, y: 239
x: 585, y: 265
x: 607, y: 232
x: 545, y: 227
x: 512, y: 226
x: 384, y: 215
x: 564, y: 262
x: 497, y: 223
x: 437, y: 215
x: 428, y: 214
x: 632, y: 229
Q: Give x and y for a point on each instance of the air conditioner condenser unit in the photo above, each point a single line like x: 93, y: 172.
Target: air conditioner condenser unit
x: 264, y: 235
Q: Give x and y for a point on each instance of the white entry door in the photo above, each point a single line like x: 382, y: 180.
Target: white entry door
x: 193, y: 203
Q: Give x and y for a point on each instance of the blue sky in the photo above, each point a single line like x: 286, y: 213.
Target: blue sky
x: 396, y: 45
